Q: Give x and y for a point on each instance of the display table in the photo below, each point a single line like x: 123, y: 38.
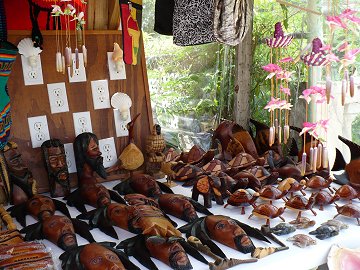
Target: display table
x: 294, y: 258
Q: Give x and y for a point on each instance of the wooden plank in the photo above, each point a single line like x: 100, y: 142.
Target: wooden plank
x: 101, y: 15
x: 29, y: 101
x: 113, y: 14
x: 90, y: 14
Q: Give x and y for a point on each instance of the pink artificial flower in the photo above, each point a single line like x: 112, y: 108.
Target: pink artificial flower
x: 354, y: 19
x: 347, y: 13
x: 343, y: 46
x: 306, y: 95
x: 325, y: 48
x: 56, y: 11
x: 286, y: 59
x: 272, y: 68
x: 272, y: 104
x: 332, y: 57
x: 335, y: 22
x: 307, y: 127
x: 285, y: 90
x: 349, y: 57
x: 286, y: 106
x: 284, y: 75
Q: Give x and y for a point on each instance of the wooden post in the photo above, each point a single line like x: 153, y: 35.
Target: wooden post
x: 243, y: 70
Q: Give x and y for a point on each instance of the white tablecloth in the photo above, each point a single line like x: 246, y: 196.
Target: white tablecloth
x: 294, y: 258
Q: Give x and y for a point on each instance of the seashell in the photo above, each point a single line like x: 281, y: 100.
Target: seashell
x: 302, y: 223
x: 315, y: 159
x: 337, y: 223
x: 302, y: 240
x: 271, y: 135
x: 58, y: 62
x: 27, y: 49
x: 120, y: 101
x: 283, y: 229
x: 352, y: 86
x: 325, y: 158
x: 279, y: 134
x: 303, y: 164
x: 343, y: 92
x: 319, y: 155
x: 343, y: 258
x: 328, y: 88
x: 68, y: 58
x: 77, y: 63
x: 63, y: 64
x: 311, y: 161
x: 286, y: 133
x: 325, y: 231
x: 117, y: 53
x: 84, y: 52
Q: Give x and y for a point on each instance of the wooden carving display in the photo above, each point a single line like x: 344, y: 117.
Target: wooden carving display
x: 30, y: 101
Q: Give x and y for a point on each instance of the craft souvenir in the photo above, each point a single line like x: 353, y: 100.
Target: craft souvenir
x: 5, y: 220
x: 223, y: 134
x: 60, y: 230
x: 283, y: 228
x: 343, y: 258
x: 209, y: 186
x: 242, y: 198
x: 261, y: 252
x: 323, y: 198
x: 300, y: 203
x: 96, y: 256
x: 350, y: 176
x: 302, y: 240
x: 336, y: 223
x: 265, y: 177
x: 349, y: 210
x: 303, y: 223
x: 252, y: 181
x: 187, y: 173
x: 291, y: 186
x: 317, y: 182
x: 56, y: 166
x: 214, y: 166
x: 22, y: 184
x: 244, y: 137
x: 230, y: 29
x: 39, y: 207
x: 225, y: 230
x: 267, y: 211
x: 144, y: 219
x: 193, y: 22
x: 155, y: 145
x: 271, y: 193
x: 317, y: 56
x: 10, y: 237
x: 241, y: 161
x: 325, y: 231
x: 171, y: 251
x: 284, y: 171
x: 347, y: 192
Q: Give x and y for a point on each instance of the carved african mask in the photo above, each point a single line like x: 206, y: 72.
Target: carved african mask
x: 178, y: 206
x: 144, y: 219
x: 95, y: 195
x: 55, y: 161
x: 97, y: 257
x: 168, y: 251
x: 226, y: 231
x: 146, y: 185
x: 22, y: 181
x: 40, y: 206
x: 60, y: 231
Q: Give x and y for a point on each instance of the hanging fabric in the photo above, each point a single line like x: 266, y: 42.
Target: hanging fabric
x: 164, y: 13
x: 193, y: 22
x: 231, y: 21
x: 131, y: 14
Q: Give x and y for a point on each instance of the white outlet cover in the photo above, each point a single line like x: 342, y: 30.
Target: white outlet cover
x: 70, y: 157
x: 114, y: 75
x: 39, y: 130
x: 79, y: 75
x: 100, y: 94
x: 57, y: 97
x: 82, y: 122
x: 32, y: 76
x: 108, y: 151
x: 120, y: 125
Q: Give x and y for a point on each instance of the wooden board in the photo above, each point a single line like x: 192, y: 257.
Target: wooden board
x: 29, y: 101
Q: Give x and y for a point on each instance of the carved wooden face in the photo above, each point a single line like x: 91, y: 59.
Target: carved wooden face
x: 169, y: 251
x: 60, y: 231
x: 226, y: 231
x: 97, y: 257
x: 95, y: 195
x: 57, y: 163
x: 146, y: 185
x: 178, y: 206
x: 119, y: 214
x: 40, y: 206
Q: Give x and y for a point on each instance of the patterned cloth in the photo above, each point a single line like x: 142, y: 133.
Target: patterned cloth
x: 164, y: 13
x: 8, y: 54
x: 193, y: 22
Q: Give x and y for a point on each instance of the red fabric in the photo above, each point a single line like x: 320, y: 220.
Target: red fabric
x: 127, y: 40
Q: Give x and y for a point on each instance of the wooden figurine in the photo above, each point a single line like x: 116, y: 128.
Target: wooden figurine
x: 155, y: 145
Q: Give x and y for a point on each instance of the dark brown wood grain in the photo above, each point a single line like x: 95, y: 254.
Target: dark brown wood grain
x: 29, y: 101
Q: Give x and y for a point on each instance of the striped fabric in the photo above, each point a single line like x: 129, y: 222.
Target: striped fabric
x: 279, y: 42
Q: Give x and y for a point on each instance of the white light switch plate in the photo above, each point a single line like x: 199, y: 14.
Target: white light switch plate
x: 58, y: 98
x: 79, y: 75
x: 39, y: 130
x: 114, y: 75
x: 120, y: 125
x: 32, y: 76
x: 100, y: 94
x: 108, y: 151
x: 82, y: 122
x: 70, y: 157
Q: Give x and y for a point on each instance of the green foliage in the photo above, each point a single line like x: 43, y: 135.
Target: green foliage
x: 356, y: 130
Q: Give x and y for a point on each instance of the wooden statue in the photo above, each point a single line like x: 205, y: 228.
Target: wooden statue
x: 155, y: 145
